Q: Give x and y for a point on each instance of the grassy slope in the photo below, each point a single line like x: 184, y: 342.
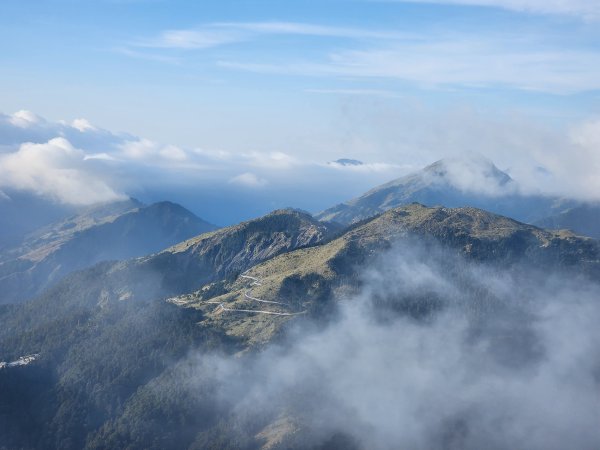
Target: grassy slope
x: 306, y: 277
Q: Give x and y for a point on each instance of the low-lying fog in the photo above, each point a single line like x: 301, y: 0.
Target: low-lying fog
x: 435, y: 352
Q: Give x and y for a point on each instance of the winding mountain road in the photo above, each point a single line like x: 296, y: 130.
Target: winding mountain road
x: 247, y: 295
x: 256, y: 282
x: 257, y: 311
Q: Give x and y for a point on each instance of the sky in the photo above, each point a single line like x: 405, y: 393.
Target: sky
x: 254, y: 98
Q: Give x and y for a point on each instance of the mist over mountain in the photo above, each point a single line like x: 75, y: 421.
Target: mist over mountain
x: 300, y: 225
x: 119, y: 230
x: 64, y: 165
x: 469, y: 181
x: 382, y: 322
x: 139, y: 353
x: 432, y: 352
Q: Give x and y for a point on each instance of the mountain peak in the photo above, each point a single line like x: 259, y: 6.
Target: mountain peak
x: 472, y: 173
x: 169, y: 207
x: 291, y: 211
x: 453, y: 182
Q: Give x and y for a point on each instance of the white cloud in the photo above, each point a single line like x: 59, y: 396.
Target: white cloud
x: 100, y: 156
x: 83, y: 125
x: 173, y: 153
x: 460, y: 354
x: 145, y: 149
x: 578, y: 164
x: 271, y: 160
x: 557, y: 159
x: 24, y: 119
x: 248, y: 179
x: 474, y: 174
x: 216, y: 154
x: 141, y: 149
x: 93, y: 164
x: 57, y: 170
x: 26, y: 126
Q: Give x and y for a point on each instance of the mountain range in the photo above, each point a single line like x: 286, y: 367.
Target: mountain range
x: 138, y: 326
x: 113, y: 231
x: 476, y: 182
x: 114, y: 340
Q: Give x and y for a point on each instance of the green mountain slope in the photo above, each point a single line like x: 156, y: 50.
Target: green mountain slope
x: 306, y: 278
x: 115, y: 340
x: 115, y: 231
x: 106, y: 331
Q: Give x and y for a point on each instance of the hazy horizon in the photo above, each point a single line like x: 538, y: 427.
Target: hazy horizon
x: 198, y: 103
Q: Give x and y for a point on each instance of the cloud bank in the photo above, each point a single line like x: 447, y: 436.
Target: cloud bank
x: 55, y: 169
x: 79, y: 163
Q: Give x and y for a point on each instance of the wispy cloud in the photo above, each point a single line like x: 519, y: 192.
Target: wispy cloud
x: 147, y: 56
x: 217, y: 34
x: 307, y: 29
x: 360, y: 92
x: 428, y: 59
x: 587, y: 9
x: 485, y: 64
x: 193, y: 39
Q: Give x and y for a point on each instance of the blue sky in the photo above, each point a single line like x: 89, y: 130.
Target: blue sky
x: 135, y: 65
x: 314, y: 80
